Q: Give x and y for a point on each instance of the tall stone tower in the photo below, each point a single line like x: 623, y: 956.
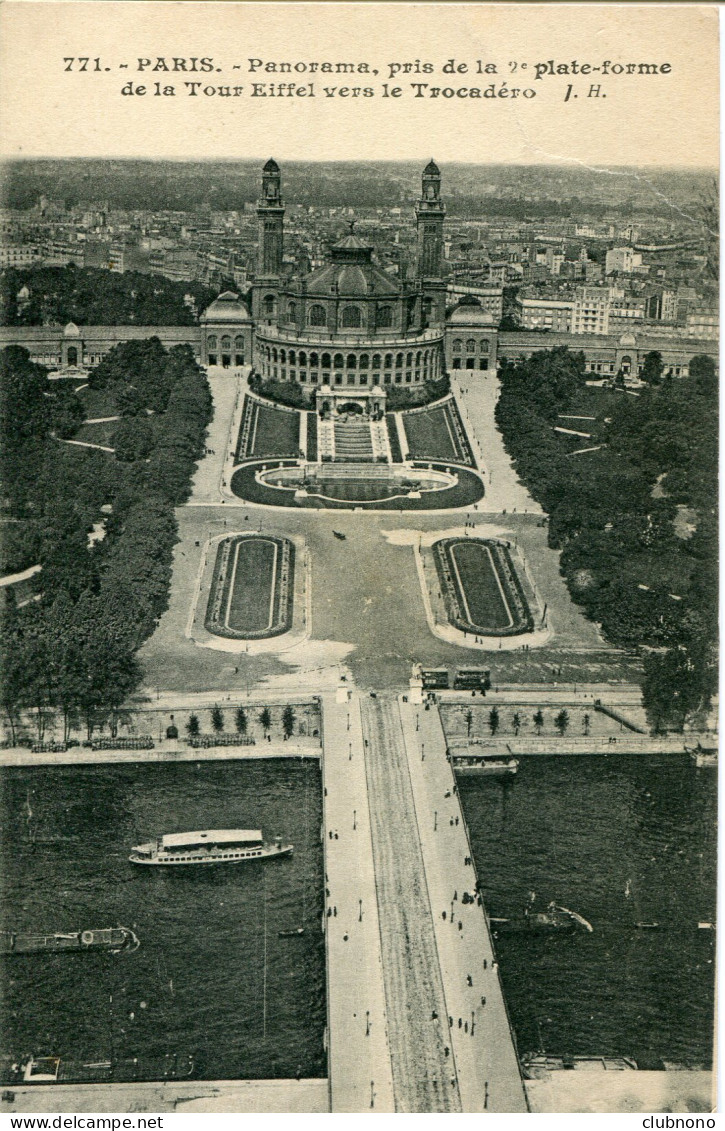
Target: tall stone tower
x: 270, y: 211
x: 430, y: 213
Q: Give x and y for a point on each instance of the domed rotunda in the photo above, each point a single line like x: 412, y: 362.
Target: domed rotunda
x: 348, y: 330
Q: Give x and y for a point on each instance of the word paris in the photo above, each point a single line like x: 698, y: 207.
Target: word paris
x: 207, y: 64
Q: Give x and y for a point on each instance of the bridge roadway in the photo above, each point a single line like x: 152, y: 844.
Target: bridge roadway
x: 424, y: 1077
x: 407, y: 1032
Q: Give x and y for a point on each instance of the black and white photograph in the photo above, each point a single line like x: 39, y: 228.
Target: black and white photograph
x: 359, y: 380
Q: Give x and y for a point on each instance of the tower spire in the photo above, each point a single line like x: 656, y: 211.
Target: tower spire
x: 430, y: 213
x: 270, y: 211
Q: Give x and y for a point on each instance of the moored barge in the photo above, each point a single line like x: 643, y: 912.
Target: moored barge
x: 113, y: 939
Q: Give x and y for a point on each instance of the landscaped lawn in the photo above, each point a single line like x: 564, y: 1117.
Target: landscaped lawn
x: 430, y: 434
x: 277, y: 432
x: 480, y: 587
x: 97, y: 433
x: 253, y: 582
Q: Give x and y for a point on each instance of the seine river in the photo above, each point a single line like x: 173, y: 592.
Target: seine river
x: 212, y: 977
x: 621, y: 840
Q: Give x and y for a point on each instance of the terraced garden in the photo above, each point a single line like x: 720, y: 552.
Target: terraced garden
x: 267, y: 430
x: 438, y: 433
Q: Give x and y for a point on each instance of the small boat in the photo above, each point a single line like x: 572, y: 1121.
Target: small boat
x: 58, y: 1070
x: 212, y: 846
x: 647, y: 926
x: 291, y: 934
x: 113, y: 939
x: 464, y: 764
x: 703, y: 756
x: 555, y: 918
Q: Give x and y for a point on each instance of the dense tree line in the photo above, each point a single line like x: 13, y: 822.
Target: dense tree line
x: 616, y: 515
x: 72, y: 650
x: 92, y: 296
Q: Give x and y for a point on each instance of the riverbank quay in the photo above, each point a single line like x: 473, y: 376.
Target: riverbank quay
x: 213, y: 1096
x: 582, y: 1092
x: 626, y: 743
x: 173, y: 752
x: 358, y: 1056
x: 481, y: 1036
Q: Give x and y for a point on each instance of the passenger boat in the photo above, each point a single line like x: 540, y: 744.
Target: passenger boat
x: 213, y: 846
x: 113, y: 939
x: 703, y: 756
x: 554, y: 918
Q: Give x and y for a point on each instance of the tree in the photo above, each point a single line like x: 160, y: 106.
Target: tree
x: 217, y: 719
x: 652, y: 367
x: 192, y: 726
x: 539, y: 721
x: 493, y: 720
x: 561, y: 722
x: 265, y: 718
x: 586, y: 722
x: 516, y: 722
x: 240, y: 720
x: 702, y: 370
x: 288, y: 722
x: 469, y: 721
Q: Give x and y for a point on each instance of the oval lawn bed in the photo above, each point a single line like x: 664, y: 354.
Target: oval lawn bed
x: 252, y: 590
x: 481, y: 588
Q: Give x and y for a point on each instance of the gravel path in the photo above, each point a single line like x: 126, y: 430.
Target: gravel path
x: 424, y: 1075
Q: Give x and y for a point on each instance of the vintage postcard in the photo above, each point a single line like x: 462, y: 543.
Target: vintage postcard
x: 359, y: 372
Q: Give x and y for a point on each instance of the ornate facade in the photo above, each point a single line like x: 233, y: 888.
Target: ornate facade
x: 349, y: 329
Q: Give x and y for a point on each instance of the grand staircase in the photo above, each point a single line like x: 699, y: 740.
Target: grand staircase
x: 353, y: 441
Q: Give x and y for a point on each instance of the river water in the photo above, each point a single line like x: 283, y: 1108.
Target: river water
x: 621, y: 840
x: 212, y: 977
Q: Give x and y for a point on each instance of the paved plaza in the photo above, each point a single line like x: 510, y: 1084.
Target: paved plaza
x: 366, y: 613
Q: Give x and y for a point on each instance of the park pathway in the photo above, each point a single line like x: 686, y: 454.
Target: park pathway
x: 477, y: 395
x: 424, y: 1074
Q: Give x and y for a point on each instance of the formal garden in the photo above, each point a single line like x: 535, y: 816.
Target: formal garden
x: 481, y: 588
x: 252, y: 588
x: 438, y: 433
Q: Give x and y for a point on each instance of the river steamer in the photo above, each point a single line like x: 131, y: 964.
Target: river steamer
x: 213, y: 846
x: 113, y: 939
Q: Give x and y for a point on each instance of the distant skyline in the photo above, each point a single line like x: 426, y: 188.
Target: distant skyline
x: 424, y: 156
